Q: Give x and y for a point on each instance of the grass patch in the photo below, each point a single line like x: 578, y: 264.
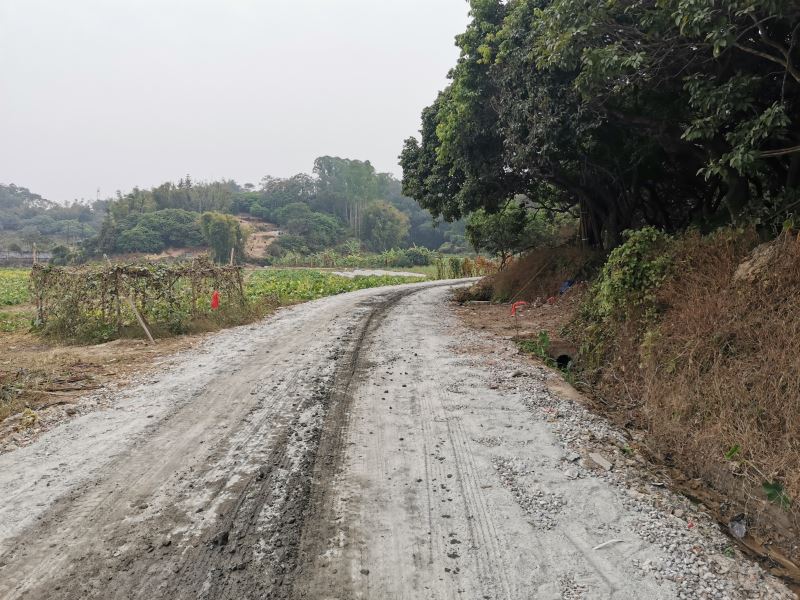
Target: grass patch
x: 11, y: 321
x: 540, y: 347
x: 14, y: 286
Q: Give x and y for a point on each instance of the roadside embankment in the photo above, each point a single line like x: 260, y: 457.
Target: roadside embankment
x: 693, y: 344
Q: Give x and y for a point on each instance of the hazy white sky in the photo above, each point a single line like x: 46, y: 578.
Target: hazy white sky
x: 110, y: 94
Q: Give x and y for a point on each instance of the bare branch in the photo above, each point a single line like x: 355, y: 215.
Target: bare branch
x: 780, y: 152
x: 786, y: 65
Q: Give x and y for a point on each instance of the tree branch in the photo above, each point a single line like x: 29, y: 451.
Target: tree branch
x: 780, y: 152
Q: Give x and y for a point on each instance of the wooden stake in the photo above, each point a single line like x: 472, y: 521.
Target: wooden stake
x: 140, y: 319
x: 232, y: 251
x: 132, y: 304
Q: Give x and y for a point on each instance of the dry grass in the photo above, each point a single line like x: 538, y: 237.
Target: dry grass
x: 724, y: 369
x: 37, y: 374
x: 715, y: 372
x: 536, y: 276
x: 718, y: 373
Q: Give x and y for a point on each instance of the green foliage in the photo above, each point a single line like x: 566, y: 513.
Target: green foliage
x: 349, y: 190
x: 27, y: 218
x: 14, y: 321
x: 418, y: 256
x: 733, y: 452
x: 631, y: 275
x: 307, y: 231
x: 628, y: 113
x: 293, y: 255
x: 507, y: 232
x: 343, y: 200
x: 625, y: 290
x: 223, y: 234
x: 60, y: 256
x: 92, y: 303
x: 455, y: 267
x: 455, y: 270
x: 13, y: 286
x: 384, y: 226
x: 177, y: 228
x: 776, y: 494
x: 291, y: 286
x: 139, y: 239
x: 539, y: 346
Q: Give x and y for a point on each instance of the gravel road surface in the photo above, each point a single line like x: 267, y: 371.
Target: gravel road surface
x: 360, y: 446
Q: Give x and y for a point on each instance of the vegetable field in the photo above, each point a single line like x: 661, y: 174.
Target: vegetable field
x: 298, y: 285
x: 13, y: 286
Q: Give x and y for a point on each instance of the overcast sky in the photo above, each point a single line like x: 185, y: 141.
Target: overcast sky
x: 110, y: 94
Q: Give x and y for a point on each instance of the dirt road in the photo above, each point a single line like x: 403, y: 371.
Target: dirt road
x: 346, y: 448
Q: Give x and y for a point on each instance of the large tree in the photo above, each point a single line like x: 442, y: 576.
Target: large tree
x: 663, y: 112
x: 223, y: 234
x: 384, y: 226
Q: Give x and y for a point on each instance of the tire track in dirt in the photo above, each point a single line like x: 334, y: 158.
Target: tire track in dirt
x: 458, y: 530
x: 320, y: 522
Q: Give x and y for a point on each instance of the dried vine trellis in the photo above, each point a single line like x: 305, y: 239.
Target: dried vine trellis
x: 90, y: 302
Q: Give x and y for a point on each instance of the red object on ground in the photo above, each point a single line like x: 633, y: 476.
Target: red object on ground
x: 215, y: 300
x: 551, y: 300
x: 516, y: 306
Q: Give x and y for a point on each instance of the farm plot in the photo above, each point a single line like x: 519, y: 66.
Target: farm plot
x: 13, y: 286
x: 299, y: 285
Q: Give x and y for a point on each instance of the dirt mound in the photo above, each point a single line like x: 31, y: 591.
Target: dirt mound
x: 260, y: 235
x: 758, y: 263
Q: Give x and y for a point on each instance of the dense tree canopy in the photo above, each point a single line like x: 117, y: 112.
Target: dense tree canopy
x: 509, y: 231
x: 223, y: 234
x: 346, y: 190
x: 385, y: 226
x: 627, y: 112
x: 329, y: 208
x: 311, y: 231
x: 27, y: 218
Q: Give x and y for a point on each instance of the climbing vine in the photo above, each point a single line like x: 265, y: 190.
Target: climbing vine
x: 96, y: 303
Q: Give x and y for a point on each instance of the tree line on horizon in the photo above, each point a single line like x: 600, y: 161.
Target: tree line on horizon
x: 342, y: 204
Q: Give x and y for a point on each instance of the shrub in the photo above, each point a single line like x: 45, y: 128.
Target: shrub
x: 454, y: 266
x: 60, y: 256
x: 632, y: 274
x: 140, y: 239
x: 418, y: 256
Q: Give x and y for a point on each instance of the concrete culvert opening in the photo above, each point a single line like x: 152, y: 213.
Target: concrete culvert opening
x: 562, y: 352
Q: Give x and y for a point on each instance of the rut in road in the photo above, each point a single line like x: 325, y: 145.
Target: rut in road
x: 453, y: 485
